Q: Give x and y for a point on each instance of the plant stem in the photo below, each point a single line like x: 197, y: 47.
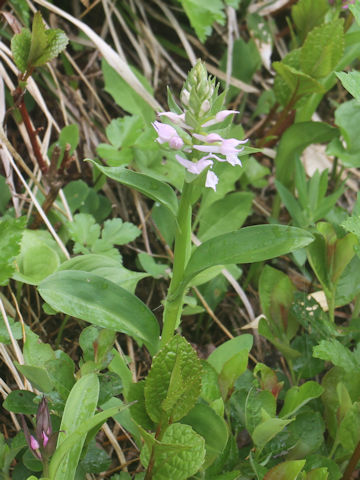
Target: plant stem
x: 352, y: 463
x: 174, y: 299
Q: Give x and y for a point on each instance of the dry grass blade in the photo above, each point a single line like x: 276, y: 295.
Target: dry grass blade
x: 113, y: 58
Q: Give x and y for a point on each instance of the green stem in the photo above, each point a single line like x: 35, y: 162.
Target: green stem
x: 174, y: 302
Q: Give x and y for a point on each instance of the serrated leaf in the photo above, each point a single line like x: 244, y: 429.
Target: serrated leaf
x: 84, y: 229
x: 175, y: 373
x: 39, y: 40
x: 20, y: 48
x: 307, y: 14
x: 298, y: 81
x: 11, y: 231
x: 323, y: 49
x: 57, y: 41
x: 350, y: 81
x: 267, y: 430
x: 117, y: 232
x: 202, y: 14
x: 335, y: 352
x: 179, y: 456
x: 124, y: 132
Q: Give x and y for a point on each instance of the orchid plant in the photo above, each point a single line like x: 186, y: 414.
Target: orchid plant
x: 191, y: 134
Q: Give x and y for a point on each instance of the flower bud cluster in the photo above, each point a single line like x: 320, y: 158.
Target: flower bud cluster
x: 43, y: 444
x: 201, y: 107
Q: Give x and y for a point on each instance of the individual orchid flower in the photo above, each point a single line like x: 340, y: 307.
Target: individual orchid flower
x: 197, y: 167
x: 168, y: 134
x: 226, y: 147
x: 194, y: 167
x: 219, y: 117
x: 175, y: 118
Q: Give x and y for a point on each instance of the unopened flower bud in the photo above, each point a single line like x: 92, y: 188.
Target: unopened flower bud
x: 205, y: 106
x: 185, y: 97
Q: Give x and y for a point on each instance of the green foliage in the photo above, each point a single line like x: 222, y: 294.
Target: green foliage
x: 149, y: 186
x: 36, y: 48
x: 77, y: 294
x: 174, y: 381
x: 179, y: 455
x: 11, y: 231
x: 202, y: 14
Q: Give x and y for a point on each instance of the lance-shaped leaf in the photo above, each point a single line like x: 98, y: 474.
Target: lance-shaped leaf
x: 248, y: 245
x: 149, y: 186
x: 101, y: 302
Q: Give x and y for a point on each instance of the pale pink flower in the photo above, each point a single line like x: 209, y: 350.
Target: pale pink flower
x: 167, y: 133
x: 226, y: 147
x: 177, y: 119
x: 211, y: 180
x: 347, y: 3
x: 219, y: 117
x: 194, y: 167
x: 45, y: 439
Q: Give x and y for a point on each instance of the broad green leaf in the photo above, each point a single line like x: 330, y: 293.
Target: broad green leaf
x: 352, y: 224
x: 295, y: 139
x: 350, y: 81
x: 148, y: 186
x: 57, y: 41
x: 267, y: 430
x: 231, y: 371
x: 318, y: 474
x: 347, y: 115
x: 36, y: 352
x: 105, y: 267
x: 259, y: 405
x: 349, y: 429
x: 15, y: 328
x: 61, y: 372
x: 202, y: 14
x: 21, y: 401
x: 37, y: 263
x: 11, y: 231
x: 317, y: 256
x: 156, y: 270
x: 38, y: 376
x: 348, y: 285
x: 286, y: 470
x: 225, y: 215
x: 308, y: 427
x: 276, y: 296
x: 282, y: 90
x: 220, y: 356
x: 211, y: 427
x: 101, y: 302
x: 296, y: 397
x: 124, y: 95
x: 250, y: 244
x: 323, y: 49
x: 72, y: 440
x: 79, y: 407
x: 138, y: 411
x: 20, y: 48
x: 281, y: 344
x: 308, y: 14
x: 174, y: 382
x: 297, y: 81
x: 335, y: 352
x: 38, y: 40
x: 210, y: 390
x: 179, y: 456
x: 124, y: 131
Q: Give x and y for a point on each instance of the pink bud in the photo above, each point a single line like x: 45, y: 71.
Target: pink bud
x: 34, y: 444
